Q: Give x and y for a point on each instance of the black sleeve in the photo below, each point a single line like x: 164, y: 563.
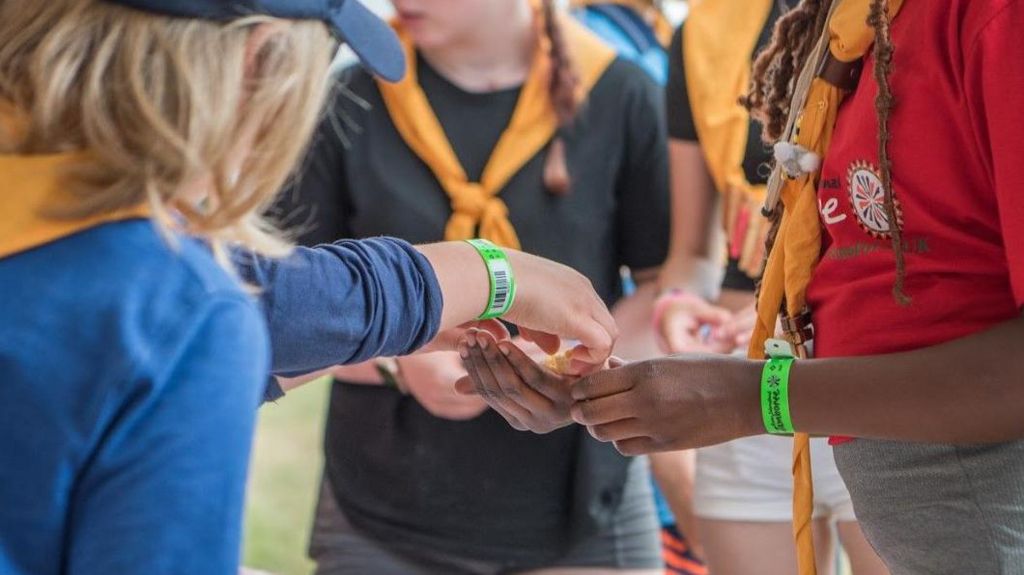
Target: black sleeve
x: 643, y: 212
x: 314, y: 206
x: 677, y: 99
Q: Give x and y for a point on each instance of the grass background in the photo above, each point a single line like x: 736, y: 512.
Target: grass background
x: 284, y: 480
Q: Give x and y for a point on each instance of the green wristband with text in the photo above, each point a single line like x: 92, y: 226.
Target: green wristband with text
x: 775, y: 396
x: 503, y: 280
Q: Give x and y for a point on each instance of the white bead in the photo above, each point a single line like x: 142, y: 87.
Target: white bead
x: 784, y: 152
x: 809, y: 162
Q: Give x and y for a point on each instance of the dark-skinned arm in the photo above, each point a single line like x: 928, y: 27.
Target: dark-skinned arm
x: 970, y: 390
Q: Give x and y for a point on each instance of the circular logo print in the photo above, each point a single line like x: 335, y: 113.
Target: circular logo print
x: 868, y: 198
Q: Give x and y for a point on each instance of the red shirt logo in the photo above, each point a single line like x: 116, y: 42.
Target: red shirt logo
x: 868, y: 199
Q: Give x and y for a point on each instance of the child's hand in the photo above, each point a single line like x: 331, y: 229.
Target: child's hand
x: 527, y: 395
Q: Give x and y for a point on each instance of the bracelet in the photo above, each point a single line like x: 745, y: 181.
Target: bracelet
x: 390, y: 373
x: 775, y: 396
x: 503, y: 281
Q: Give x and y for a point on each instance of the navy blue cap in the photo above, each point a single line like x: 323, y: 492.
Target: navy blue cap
x: 369, y: 37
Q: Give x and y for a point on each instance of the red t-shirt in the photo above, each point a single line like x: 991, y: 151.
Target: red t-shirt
x: 957, y: 152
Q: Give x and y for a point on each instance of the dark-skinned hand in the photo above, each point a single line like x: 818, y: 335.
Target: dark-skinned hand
x: 671, y: 403
x: 528, y: 395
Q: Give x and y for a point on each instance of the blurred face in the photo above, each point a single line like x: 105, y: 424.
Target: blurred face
x: 438, y: 23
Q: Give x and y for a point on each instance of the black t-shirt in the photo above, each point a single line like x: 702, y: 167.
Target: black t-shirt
x: 479, y: 489
x: 681, y: 126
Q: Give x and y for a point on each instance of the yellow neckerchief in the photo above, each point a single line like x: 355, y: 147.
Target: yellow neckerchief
x: 719, y: 38
x: 33, y: 193
x: 532, y: 126
x: 797, y: 247
x: 647, y: 10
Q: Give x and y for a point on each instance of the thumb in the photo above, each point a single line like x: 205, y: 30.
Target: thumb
x: 679, y: 330
x: 464, y: 385
x: 713, y: 315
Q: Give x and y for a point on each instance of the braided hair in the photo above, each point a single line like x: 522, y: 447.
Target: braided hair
x: 564, y: 85
x: 773, y: 81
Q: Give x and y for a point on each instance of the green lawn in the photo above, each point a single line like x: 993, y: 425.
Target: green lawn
x: 284, y: 478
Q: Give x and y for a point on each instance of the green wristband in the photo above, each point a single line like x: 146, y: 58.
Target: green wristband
x: 775, y: 396
x: 503, y: 280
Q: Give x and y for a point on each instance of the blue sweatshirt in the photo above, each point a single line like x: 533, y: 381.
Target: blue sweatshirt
x: 132, y: 373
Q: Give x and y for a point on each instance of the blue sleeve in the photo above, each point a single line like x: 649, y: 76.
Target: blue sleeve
x: 345, y: 302
x: 164, y: 491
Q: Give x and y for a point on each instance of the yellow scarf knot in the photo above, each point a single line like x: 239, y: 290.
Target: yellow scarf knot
x: 472, y: 207
x: 531, y: 128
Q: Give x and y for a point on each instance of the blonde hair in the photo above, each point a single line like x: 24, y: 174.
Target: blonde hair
x: 158, y: 104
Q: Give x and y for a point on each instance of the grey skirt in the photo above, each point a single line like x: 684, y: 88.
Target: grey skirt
x: 939, y: 509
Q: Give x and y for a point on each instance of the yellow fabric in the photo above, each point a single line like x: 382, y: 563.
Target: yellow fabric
x: 798, y: 245
x: 533, y: 124
x: 647, y: 10
x: 718, y: 41
x: 32, y: 193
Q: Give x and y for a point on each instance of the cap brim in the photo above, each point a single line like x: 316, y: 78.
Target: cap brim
x: 371, y: 39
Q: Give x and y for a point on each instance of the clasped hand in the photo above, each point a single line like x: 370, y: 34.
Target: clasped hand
x: 664, y: 404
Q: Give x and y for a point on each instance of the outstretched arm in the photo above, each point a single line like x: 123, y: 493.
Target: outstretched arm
x: 970, y: 390
x: 353, y: 300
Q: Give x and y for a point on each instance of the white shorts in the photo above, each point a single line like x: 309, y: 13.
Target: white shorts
x: 750, y: 479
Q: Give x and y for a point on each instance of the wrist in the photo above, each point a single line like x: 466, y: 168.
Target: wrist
x: 748, y: 401
x: 520, y: 269
x: 463, y: 280
x: 701, y: 276
x: 501, y: 278
x: 390, y: 372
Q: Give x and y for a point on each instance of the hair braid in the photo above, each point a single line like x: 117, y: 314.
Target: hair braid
x: 774, y: 77
x: 778, y: 65
x: 564, y: 85
x: 883, y: 50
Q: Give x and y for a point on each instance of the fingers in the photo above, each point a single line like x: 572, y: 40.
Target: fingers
x: 607, y: 322
x: 549, y: 343
x: 618, y: 430
x: 489, y: 386
x: 465, y: 386
x: 596, y: 342
x: 448, y: 340
x: 532, y: 374
x: 495, y: 328
x: 616, y: 362
x: 676, y: 331
x: 740, y: 329
x: 603, y: 410
x: 517, y: 390
x: 638, y: 446
x: 489, y: 396
x: 711, y: 314
x: 581, y: 368
x: 601, y: 384
x: 596, y: 332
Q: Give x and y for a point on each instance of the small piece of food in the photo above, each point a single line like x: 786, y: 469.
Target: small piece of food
x: 559, y: 363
